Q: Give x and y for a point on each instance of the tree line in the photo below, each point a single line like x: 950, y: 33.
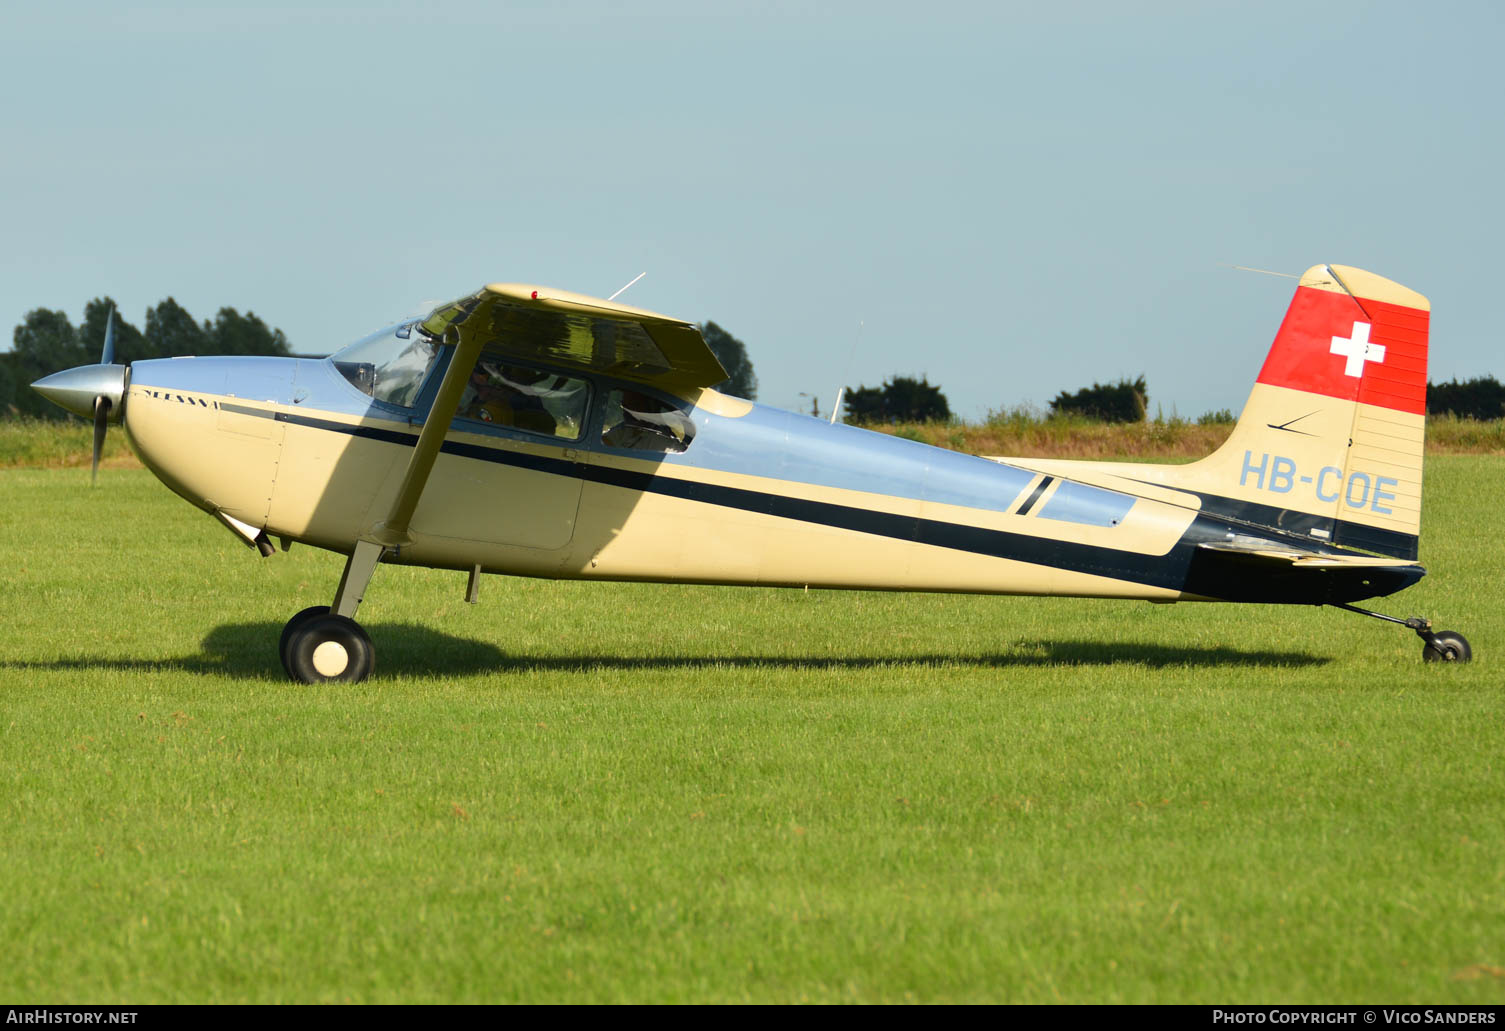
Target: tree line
x: 905, y: 399
x: 899, y: 399
x: 1480, y: 398
x: 47, y: 341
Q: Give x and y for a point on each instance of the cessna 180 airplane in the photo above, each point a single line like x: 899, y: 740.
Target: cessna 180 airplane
x: 536, y: 432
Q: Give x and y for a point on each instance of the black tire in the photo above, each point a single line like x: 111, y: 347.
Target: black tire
x: 330, y: 648
x: 1447, y: 646
x: 294, y: 624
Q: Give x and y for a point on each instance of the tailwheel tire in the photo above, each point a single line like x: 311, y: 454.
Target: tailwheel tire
x: 292, y: 625
x: 1447, y: 646
x: 330, y: 648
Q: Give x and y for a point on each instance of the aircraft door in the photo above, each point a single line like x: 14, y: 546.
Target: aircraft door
x: 509, y: 474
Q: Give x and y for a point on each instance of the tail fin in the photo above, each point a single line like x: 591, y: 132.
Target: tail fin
x: 1329, y: 444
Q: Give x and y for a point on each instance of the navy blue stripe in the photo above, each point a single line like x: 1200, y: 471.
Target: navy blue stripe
x: 365, y: 432
x: 1373, y: 538
x: 1155, y: 570
x: 1183, y: 568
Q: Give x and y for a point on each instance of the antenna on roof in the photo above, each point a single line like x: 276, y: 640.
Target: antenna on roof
x: 1262, y: 271
x: 841, y: 393
x: 620, y: 292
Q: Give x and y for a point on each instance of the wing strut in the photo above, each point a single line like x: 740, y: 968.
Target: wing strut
x: 392, y: 533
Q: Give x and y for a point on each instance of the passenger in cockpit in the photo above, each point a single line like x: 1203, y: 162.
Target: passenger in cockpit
x: 643, y: 423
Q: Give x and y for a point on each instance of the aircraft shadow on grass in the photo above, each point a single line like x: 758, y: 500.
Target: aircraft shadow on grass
x: 240, y: 650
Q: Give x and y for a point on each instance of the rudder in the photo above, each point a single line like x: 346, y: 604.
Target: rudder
x: 1329, y: 444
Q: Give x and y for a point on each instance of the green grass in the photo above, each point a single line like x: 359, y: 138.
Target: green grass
x: 600, y: 792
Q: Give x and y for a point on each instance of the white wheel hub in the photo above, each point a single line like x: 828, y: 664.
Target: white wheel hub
x: 331, y: 659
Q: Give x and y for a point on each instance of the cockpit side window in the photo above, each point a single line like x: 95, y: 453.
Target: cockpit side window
x: 389, y: 365
x: 504, y: 393
x: 638, y: 422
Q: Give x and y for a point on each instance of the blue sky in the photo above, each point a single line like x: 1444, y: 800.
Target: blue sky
x: 1011, y: 199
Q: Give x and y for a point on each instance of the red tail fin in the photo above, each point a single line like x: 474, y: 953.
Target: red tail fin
x: 1341, y: 340
x: 1330, y: 443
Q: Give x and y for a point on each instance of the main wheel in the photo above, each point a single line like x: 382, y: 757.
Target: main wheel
x: 292, y: 625
x: 330, y: 647
x: 1447, y: 646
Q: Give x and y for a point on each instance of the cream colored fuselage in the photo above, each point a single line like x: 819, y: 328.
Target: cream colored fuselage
x: 539, y: 507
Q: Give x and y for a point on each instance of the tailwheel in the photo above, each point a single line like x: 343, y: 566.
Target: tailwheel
x: 1446, y: 646
x: 323, y: 647
x: 1437, y: 646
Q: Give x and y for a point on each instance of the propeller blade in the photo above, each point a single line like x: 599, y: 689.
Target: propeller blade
x: 108, y: 356
x: 101, y: 422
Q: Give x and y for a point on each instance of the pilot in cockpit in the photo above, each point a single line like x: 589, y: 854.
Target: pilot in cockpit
x: 508, y: 395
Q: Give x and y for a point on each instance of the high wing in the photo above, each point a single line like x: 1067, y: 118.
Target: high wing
x: 523, y: 321
x: 518, y: 320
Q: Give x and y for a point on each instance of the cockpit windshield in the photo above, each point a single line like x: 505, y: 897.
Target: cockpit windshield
x: 390, y: 364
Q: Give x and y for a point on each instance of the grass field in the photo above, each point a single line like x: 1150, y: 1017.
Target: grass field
x: 577, y: 792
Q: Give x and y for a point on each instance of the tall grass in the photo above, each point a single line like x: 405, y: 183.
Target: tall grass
x: 1452, y: 435
x: 28, y: 443
x: 1026, y: 432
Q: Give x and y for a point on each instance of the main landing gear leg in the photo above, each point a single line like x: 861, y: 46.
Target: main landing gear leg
x: 322, y: 643
x: 1438, y: 646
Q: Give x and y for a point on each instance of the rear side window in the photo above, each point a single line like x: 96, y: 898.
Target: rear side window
x: 638, y: 422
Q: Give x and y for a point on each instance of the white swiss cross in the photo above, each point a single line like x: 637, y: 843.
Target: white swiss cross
x: 1358, y: 350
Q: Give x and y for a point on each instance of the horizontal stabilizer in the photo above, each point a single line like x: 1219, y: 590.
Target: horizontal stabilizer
x: 1255, y: 571
x: 1305, y: 559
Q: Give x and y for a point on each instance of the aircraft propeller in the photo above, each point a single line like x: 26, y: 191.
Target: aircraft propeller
x: 92, y: 391
x: 102, y: 403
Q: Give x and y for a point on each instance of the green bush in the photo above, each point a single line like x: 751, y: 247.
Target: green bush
x: 901, y: 399
x: 1124, y: 401
x: 1481, y: 398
